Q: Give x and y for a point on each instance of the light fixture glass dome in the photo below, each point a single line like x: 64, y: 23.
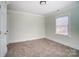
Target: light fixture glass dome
x: 42, y: 2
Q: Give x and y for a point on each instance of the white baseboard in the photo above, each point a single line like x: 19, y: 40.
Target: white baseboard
x: 52, y: 39
x: 16, y: 41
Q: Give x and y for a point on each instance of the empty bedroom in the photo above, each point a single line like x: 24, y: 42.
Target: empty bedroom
x: 39, y: 29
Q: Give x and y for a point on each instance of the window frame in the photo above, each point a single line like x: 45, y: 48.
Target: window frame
x: 67, y: 25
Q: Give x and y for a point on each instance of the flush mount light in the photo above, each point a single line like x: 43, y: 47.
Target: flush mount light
x: 42, y: 2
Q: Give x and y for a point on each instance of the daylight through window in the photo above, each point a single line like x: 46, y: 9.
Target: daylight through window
x: 62, y: 25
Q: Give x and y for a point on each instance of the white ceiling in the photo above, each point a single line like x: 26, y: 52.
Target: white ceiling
x: 36, y: 8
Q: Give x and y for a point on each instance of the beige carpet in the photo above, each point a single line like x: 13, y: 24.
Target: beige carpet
x: 40, y: 48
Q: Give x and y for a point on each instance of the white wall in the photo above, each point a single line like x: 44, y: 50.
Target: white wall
x: 24, y: 26
x: 73, y: 39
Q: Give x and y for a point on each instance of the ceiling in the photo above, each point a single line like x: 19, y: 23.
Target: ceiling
x: 36, y: 8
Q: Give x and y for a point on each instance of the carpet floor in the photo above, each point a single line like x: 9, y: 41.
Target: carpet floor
x: 40, y: 48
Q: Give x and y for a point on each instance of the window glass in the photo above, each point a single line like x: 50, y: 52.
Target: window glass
x: 62, y: 25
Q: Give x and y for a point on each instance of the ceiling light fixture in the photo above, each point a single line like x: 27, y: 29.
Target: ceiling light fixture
x: 42, y: 2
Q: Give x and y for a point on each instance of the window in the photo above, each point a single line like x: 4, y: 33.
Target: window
x: 62, y: 25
